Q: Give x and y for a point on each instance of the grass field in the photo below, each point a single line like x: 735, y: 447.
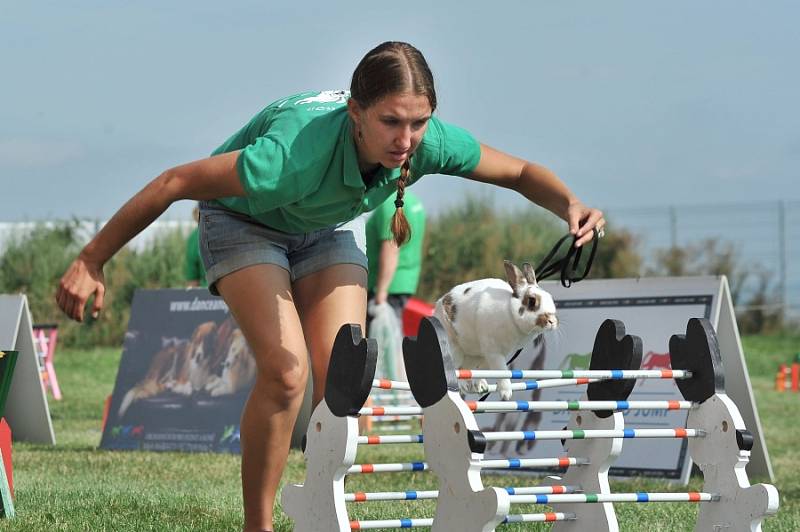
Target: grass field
x: 74, y: 486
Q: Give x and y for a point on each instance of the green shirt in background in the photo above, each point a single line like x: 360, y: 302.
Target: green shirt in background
x: 409, y: 263
x: 193, y: 269
x: 299, y: 168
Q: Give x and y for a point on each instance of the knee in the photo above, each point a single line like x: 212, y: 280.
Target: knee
x: 284, y: 387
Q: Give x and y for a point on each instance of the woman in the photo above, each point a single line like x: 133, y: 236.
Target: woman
x: 281, y: 236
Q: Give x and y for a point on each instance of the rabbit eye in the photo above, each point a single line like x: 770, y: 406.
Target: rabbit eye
x: 533, y: 303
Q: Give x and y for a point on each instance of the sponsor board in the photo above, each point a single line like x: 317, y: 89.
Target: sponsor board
x: 654, y: 310
x: 184, y: 376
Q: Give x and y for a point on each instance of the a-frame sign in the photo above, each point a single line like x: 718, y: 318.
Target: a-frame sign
x: 26, y: 411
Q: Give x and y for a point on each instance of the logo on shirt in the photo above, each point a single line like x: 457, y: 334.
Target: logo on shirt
x: 326, y: 97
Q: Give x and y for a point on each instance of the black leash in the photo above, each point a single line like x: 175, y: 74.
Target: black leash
x: 566, y: 265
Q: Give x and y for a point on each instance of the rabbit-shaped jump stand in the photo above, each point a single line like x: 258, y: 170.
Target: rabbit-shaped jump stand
x: 488, y: 319
x: 613, y: 349
x: 463, y: 503
x: 724, y: 451
x: 331, y: 440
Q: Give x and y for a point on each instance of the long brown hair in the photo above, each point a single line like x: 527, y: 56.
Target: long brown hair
x: 390, y: 68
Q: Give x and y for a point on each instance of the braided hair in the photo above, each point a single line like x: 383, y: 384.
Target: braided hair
x: 393, y: 67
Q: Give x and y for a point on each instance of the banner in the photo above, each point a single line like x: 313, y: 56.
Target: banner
x: 184, y: 376
x: 654, y: 310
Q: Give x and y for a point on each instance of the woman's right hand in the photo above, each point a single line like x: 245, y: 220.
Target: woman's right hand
x: 81, y: 280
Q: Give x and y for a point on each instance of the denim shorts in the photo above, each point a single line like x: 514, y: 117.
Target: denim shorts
x: 230, y: 241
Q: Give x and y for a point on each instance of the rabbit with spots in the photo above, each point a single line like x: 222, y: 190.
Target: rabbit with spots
x: 489, y: 319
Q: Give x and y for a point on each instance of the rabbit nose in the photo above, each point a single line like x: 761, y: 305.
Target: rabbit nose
x: 547, y: 320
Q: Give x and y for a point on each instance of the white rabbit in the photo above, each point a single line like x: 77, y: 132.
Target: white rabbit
x: 489, y: 319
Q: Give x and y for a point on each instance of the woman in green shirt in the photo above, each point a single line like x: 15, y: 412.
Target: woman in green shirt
x: 281, y: 236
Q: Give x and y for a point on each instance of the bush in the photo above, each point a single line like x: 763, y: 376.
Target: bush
x: 755, y: 308
x: 471, y: 240
x: 34, y: 262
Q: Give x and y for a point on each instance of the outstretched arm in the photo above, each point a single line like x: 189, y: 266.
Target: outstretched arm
x: 541, y: 186
x: 214, y: 177
x: 387, y: 266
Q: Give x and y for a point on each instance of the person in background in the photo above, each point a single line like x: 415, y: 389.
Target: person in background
x: 394, y: 272
x: 193, y: 270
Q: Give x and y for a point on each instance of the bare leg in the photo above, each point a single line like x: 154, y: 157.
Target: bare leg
x: 327, y: 300
x: 260, y: 298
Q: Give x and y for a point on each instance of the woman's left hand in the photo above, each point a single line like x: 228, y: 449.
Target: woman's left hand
x: 582, y: 220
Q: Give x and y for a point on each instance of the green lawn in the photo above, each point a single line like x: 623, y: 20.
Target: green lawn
x: 74, y: 486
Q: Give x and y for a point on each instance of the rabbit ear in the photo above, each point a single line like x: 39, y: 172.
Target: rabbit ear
x: 530, y: 275
x: 514, y: 277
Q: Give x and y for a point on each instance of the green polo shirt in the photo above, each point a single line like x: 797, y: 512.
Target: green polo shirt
x: 299, y: 168
x: 193, y: 269
x: 409, y: 261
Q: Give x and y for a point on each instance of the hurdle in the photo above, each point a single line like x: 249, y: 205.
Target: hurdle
x: 718, y: 440
x: 332, y: 440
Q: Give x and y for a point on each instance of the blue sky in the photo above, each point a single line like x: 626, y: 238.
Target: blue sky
x: 632, y: 103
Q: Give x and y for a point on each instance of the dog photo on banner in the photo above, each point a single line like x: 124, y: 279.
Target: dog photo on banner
x: 185, y: 373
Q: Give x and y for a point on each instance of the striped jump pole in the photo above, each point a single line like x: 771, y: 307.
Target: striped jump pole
x: 422, y: 495
x: 394, y: 395
x: 599, y: 375
x: 588, y: 498
x: 525, y: 406
x: 386, y: 384
x: 530, y: 463
x: 542, y: 384
x: 355, y: 469
x: 390, y: 523
x: 548, y: 517
x: 588, y: 434
x: 390, y: 411
x: 389, y: 438
x: 509, y: 463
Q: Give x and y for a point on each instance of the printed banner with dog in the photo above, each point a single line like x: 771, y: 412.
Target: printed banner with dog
x: 184, y: 376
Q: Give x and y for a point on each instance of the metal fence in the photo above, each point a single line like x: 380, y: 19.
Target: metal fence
x: 765, y: 236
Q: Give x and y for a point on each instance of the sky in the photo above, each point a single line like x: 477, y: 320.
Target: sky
x: 632, y: 103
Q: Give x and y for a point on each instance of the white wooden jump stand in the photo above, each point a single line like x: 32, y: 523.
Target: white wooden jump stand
x: 724, y: 451
x: 612, y: 349
x: 463, y: 503
x: 332, y: 438
x: 719, y: 443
